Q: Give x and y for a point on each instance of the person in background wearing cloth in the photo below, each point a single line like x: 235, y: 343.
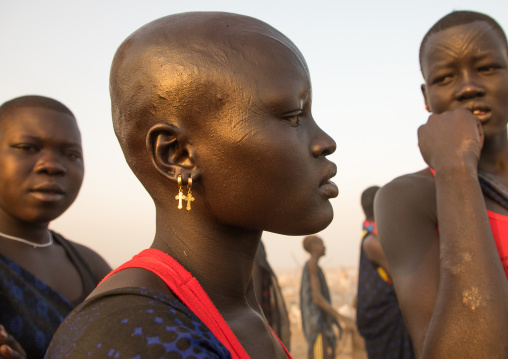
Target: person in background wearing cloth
x: 269, y: 296
x: 213, y: 113
x: 444, y: 229
x: 42, y: 275
x: 318, y: 315
x: 378, y: 316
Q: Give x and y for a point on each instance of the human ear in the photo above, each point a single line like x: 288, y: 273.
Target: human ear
x: 170, y: 152
x: 424, y: 93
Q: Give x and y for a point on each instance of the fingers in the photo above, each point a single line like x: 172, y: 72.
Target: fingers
x: 9, y: 347
x: 8, y: 353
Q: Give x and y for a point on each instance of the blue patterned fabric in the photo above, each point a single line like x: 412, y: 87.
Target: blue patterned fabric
x: 134, y: 323
x: 315, y: 320
x: 29, y: 309
x: 378, y: 315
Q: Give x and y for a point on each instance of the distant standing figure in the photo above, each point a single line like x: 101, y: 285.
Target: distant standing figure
x: 318, y: 315
x: 378, y: 316
x: 269, y: 296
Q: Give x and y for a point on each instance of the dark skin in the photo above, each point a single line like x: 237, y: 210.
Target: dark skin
x: 373, y: 250
x: 248, y: 156
x: 42, y: 170
x: 451, y: 285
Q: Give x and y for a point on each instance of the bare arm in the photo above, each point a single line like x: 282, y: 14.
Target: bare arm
x: 318, y: 298
x: 451, y: 287
x: 373, y: 250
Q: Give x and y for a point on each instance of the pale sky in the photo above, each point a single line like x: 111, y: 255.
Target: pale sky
x: 363, y: 59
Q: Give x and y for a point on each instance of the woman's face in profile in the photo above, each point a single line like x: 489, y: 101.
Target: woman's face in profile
x: 264, y: 164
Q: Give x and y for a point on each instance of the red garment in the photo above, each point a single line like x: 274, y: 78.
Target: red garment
x: 499, y: 226
x: 190, y: 292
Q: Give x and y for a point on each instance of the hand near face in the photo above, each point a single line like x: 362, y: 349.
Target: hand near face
x: 451, y: 138
x: 9, y: 347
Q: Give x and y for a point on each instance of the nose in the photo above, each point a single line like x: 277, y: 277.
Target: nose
x: 50, y: 163
x: 323, y: 144
x: 469, y: 86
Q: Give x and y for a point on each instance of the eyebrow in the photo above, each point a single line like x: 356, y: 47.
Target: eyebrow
x: 66, y: 143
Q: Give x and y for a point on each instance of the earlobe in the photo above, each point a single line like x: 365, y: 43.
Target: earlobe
x: 170, y: 153
x: 424, y: 93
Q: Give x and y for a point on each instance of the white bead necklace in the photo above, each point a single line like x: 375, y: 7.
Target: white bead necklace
x: 30, y: 243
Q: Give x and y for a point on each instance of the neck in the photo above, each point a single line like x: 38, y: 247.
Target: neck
x: 34, y: 232
x: 494, y: 156
x: 219, y: 257
x: 315, y: 256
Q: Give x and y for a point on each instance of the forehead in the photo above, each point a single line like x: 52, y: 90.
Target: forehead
x: 244, y: 50
x: 41, y: 123
x: 474, y: 39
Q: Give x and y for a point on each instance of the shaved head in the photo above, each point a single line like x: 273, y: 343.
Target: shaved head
x: 309, y: 241
x: 189, y: 70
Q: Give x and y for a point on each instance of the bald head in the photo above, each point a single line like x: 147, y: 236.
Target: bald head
x: 309, y: 241
x: 188, y: 70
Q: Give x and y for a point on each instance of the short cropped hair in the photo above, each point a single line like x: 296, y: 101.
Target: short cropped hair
x: 33, y: 101
x: 462, y: 17
x: 367, y: 200
x: 309, y: 241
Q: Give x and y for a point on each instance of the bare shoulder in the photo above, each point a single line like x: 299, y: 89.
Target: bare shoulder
x: 312, y: 266
x: 405, y: 188
x: 412, y: 195
x: 99, y: 267
x: 406, y: 217
x: 370, y: 243
x: 133, y: 277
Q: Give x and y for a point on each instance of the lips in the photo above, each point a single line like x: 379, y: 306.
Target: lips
x: 48, y: 192
x: 482, y: 112
x: 327, y: 186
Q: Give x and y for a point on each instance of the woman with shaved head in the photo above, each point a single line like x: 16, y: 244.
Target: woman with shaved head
x: 213, y: 114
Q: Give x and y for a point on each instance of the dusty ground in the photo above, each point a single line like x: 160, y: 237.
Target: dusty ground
x: 299, y: 345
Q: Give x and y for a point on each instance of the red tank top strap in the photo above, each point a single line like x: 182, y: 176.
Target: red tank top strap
x: 190, y: 292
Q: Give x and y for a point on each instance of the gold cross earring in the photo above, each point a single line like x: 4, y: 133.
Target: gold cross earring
x: 189, y: 197
x: 180, y: 196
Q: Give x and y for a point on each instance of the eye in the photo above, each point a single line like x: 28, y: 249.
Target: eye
x: 293, y: 117
x: 442, y: 80
x: 488, y: 69
x: 26, y: 147
x: 73, y: 155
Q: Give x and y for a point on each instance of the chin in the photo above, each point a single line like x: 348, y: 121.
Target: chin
x: 306, y: 226
x: 44, y: 217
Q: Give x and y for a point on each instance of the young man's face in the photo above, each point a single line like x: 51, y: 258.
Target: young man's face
x: 41, y: 164
x: 466, y: 66
x: 263, y: 163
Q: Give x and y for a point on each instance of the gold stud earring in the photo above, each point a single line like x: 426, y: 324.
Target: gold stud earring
x: 189, y: 197
x: 180, y: 196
